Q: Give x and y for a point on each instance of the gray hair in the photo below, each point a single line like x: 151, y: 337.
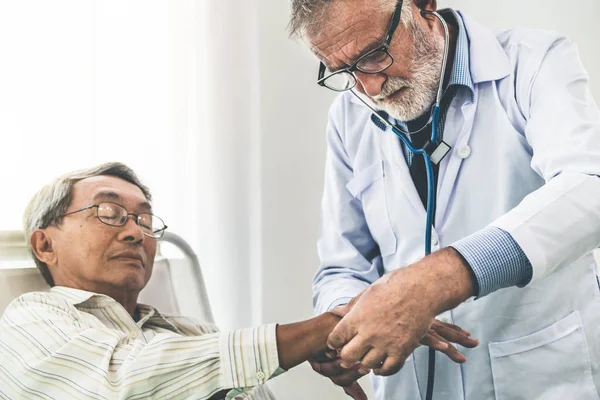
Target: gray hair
x: 307, y: 16
x: 52, y: 201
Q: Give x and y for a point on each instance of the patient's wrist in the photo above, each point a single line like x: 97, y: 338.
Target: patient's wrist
x: 304, y: 340
x: 328, y: 321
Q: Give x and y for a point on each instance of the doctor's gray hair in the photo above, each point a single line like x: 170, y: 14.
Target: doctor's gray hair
x: 52, y: 201
x: 308, y: 16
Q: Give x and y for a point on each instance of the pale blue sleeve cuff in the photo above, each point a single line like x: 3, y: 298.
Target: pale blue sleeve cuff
x: 496, y: 259
x: 339, y: 302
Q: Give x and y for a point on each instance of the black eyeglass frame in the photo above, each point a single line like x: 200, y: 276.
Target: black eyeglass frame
x: 137, y: 218
x: 354, y: 67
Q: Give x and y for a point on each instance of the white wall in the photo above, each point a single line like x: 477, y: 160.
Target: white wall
x: 579, y: 20
x: 292, y: 141
x: 293, y: 117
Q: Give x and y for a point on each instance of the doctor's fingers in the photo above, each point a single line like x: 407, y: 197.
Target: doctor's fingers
x: 373, y: 359
x: 343, y: 333
x: 391, y: 365
x: 436, y: 342
x: 354, y: 351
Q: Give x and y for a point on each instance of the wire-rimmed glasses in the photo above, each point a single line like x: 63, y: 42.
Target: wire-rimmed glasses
x: 113, y: 214
x: 372, y: 62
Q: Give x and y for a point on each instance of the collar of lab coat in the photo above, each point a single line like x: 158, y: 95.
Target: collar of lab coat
x: 489, y: 61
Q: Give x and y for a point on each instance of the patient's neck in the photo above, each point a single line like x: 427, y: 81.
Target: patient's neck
x: 127, y: 299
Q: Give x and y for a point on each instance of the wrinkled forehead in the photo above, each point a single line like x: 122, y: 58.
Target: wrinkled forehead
x: 108, y: 188
x: 346, y: 30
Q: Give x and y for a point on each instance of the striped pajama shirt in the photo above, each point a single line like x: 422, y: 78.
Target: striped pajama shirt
x: 72, y: 344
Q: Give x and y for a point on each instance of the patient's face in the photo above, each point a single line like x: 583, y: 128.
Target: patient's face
x: 97, y: 257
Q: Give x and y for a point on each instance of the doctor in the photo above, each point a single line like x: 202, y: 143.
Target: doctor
x: 518, y: 202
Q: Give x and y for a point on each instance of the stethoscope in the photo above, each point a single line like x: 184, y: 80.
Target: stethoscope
x: 433, y: 153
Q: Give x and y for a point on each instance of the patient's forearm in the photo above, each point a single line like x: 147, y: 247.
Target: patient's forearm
x: 301, y: 341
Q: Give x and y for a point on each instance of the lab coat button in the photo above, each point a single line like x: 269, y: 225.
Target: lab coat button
x: 464, y: 151
x: 261, y: 376
x: 133, y: 334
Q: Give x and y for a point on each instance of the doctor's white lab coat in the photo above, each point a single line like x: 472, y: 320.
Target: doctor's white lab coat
x: 525, y: 158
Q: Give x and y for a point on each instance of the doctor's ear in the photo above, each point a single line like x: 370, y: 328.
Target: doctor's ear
x: 426, y: 5
x: 430, y: 6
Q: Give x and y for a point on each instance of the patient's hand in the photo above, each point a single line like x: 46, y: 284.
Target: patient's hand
x: 346, y: 378
x: 441, y: 335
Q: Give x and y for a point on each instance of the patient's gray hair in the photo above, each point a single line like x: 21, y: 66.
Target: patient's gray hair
x: 49, y: 204
x: 307, y: 16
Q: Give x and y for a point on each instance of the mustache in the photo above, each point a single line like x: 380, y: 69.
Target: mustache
x: 391, y: 86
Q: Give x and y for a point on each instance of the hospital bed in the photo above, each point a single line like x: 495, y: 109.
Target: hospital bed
x: 176, y: 287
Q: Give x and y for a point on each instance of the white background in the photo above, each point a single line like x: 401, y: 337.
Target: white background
x: 218, y: 111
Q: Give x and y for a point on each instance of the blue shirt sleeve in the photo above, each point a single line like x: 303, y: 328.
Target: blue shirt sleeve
x: 496, y: 259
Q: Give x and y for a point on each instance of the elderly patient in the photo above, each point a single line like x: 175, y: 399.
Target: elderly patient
x: 93, y: 236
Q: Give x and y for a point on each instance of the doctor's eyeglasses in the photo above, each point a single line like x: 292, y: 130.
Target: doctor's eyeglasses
x: 373, y: 62
x: 116, y: 215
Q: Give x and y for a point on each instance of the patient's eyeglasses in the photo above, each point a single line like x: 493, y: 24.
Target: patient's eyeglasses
x: 116, y: 215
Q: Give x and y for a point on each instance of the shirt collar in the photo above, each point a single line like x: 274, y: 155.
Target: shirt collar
x: 461, y: 69
x: 82, y: 298
x: 76, y: 296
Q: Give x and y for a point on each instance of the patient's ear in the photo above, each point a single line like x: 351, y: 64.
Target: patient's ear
x: 41, y: 244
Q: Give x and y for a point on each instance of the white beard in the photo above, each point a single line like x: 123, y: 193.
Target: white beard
x: 420, y: 92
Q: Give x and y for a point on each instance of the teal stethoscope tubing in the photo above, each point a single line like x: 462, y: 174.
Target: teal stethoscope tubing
x: 435, y: 121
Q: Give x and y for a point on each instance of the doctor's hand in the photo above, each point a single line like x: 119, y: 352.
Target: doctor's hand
x: 440, y: 336
x: 388, y: 321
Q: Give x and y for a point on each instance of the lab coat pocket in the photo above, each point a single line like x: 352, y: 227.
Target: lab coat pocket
x: 553, y: 363
x: 368, y: 186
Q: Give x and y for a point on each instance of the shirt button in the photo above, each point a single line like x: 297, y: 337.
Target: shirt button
x: 133, y: 334
x: 434, y: 240
x: 261, y: 376
x: 464, y: 151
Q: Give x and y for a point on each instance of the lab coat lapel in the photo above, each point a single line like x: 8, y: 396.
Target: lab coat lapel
x: 488, y: 62
x: 451, y: 164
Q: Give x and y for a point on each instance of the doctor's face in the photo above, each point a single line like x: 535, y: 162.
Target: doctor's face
x: 409, y: 86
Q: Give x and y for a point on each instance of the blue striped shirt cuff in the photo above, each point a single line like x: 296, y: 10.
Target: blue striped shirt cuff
x: 496, y: 259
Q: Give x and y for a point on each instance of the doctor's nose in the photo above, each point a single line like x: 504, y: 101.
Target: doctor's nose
x: 370, y: 84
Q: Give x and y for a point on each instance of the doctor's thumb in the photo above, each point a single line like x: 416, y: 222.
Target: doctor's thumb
x: 340, y: 335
